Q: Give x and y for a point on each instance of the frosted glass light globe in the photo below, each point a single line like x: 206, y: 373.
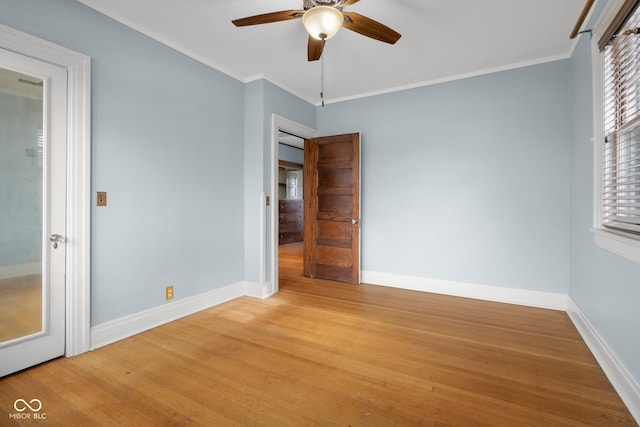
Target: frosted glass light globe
x: 322, y: 22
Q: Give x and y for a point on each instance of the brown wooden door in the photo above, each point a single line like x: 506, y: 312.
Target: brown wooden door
x: 332, y: 208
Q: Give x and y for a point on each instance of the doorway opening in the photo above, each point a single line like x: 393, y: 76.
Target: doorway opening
x: 290, y: 189
x: 287, y: 146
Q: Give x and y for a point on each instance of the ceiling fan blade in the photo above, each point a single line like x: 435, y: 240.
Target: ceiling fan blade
x: 314, y: 49
x: 267, y: 18
x: 348, y: 2
x: 370, y: 28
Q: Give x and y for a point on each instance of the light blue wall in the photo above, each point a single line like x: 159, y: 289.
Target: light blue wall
x: 253, y: 176
x: 167, y: 146
x: 606, y: 287
x: 20, y: 180
x: 290, y: 154
x: 262, y: 100
x: 466, y: 181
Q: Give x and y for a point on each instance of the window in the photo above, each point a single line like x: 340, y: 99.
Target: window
x: 617, y: 70
x: 621, y: 166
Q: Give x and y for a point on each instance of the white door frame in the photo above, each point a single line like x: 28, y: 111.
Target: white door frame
x: 279, y: 123
x: 78, y: 218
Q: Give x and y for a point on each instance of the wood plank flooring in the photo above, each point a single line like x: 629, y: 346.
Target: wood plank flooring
x: 331, y: 354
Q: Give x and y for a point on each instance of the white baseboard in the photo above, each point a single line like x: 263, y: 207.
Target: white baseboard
x: 118, y: 329
x: 9, y: 271
x: 627, y: 387
x: 258, y: 290
x: 554, y: 301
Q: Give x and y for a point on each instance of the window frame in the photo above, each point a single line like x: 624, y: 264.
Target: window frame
x: 619, y: 242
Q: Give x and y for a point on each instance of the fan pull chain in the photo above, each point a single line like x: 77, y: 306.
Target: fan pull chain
x: 322, y: 79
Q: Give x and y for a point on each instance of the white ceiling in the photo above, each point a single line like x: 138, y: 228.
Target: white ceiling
x: 441, y: 40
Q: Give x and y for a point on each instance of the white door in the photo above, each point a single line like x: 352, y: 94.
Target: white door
x: 33, y: 123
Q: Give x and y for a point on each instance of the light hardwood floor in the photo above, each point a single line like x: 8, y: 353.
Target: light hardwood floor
x: 330, y: 354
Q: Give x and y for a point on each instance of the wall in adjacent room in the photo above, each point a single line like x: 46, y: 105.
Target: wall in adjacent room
x: 290, y: 154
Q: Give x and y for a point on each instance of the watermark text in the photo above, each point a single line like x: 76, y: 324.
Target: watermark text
x: 28, y: 410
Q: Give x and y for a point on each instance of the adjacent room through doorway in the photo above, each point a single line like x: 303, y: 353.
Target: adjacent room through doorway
x: 290, y: 200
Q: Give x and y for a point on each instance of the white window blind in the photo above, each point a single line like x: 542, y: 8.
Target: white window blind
x: 621, y: 155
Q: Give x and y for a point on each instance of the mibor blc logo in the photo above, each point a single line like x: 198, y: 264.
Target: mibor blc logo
x: 30, y: 410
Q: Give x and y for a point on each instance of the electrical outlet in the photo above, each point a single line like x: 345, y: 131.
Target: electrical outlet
x: 169, y: 293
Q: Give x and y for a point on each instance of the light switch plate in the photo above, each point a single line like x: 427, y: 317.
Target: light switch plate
x: 102, y: 198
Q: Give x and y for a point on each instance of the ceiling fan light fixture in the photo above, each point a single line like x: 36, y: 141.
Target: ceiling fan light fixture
x: 322, y: 22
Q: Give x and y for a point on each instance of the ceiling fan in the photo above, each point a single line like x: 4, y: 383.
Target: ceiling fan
x: 323, y: 19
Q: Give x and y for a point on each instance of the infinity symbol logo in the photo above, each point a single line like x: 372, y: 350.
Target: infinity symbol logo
x: 21, y: 405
